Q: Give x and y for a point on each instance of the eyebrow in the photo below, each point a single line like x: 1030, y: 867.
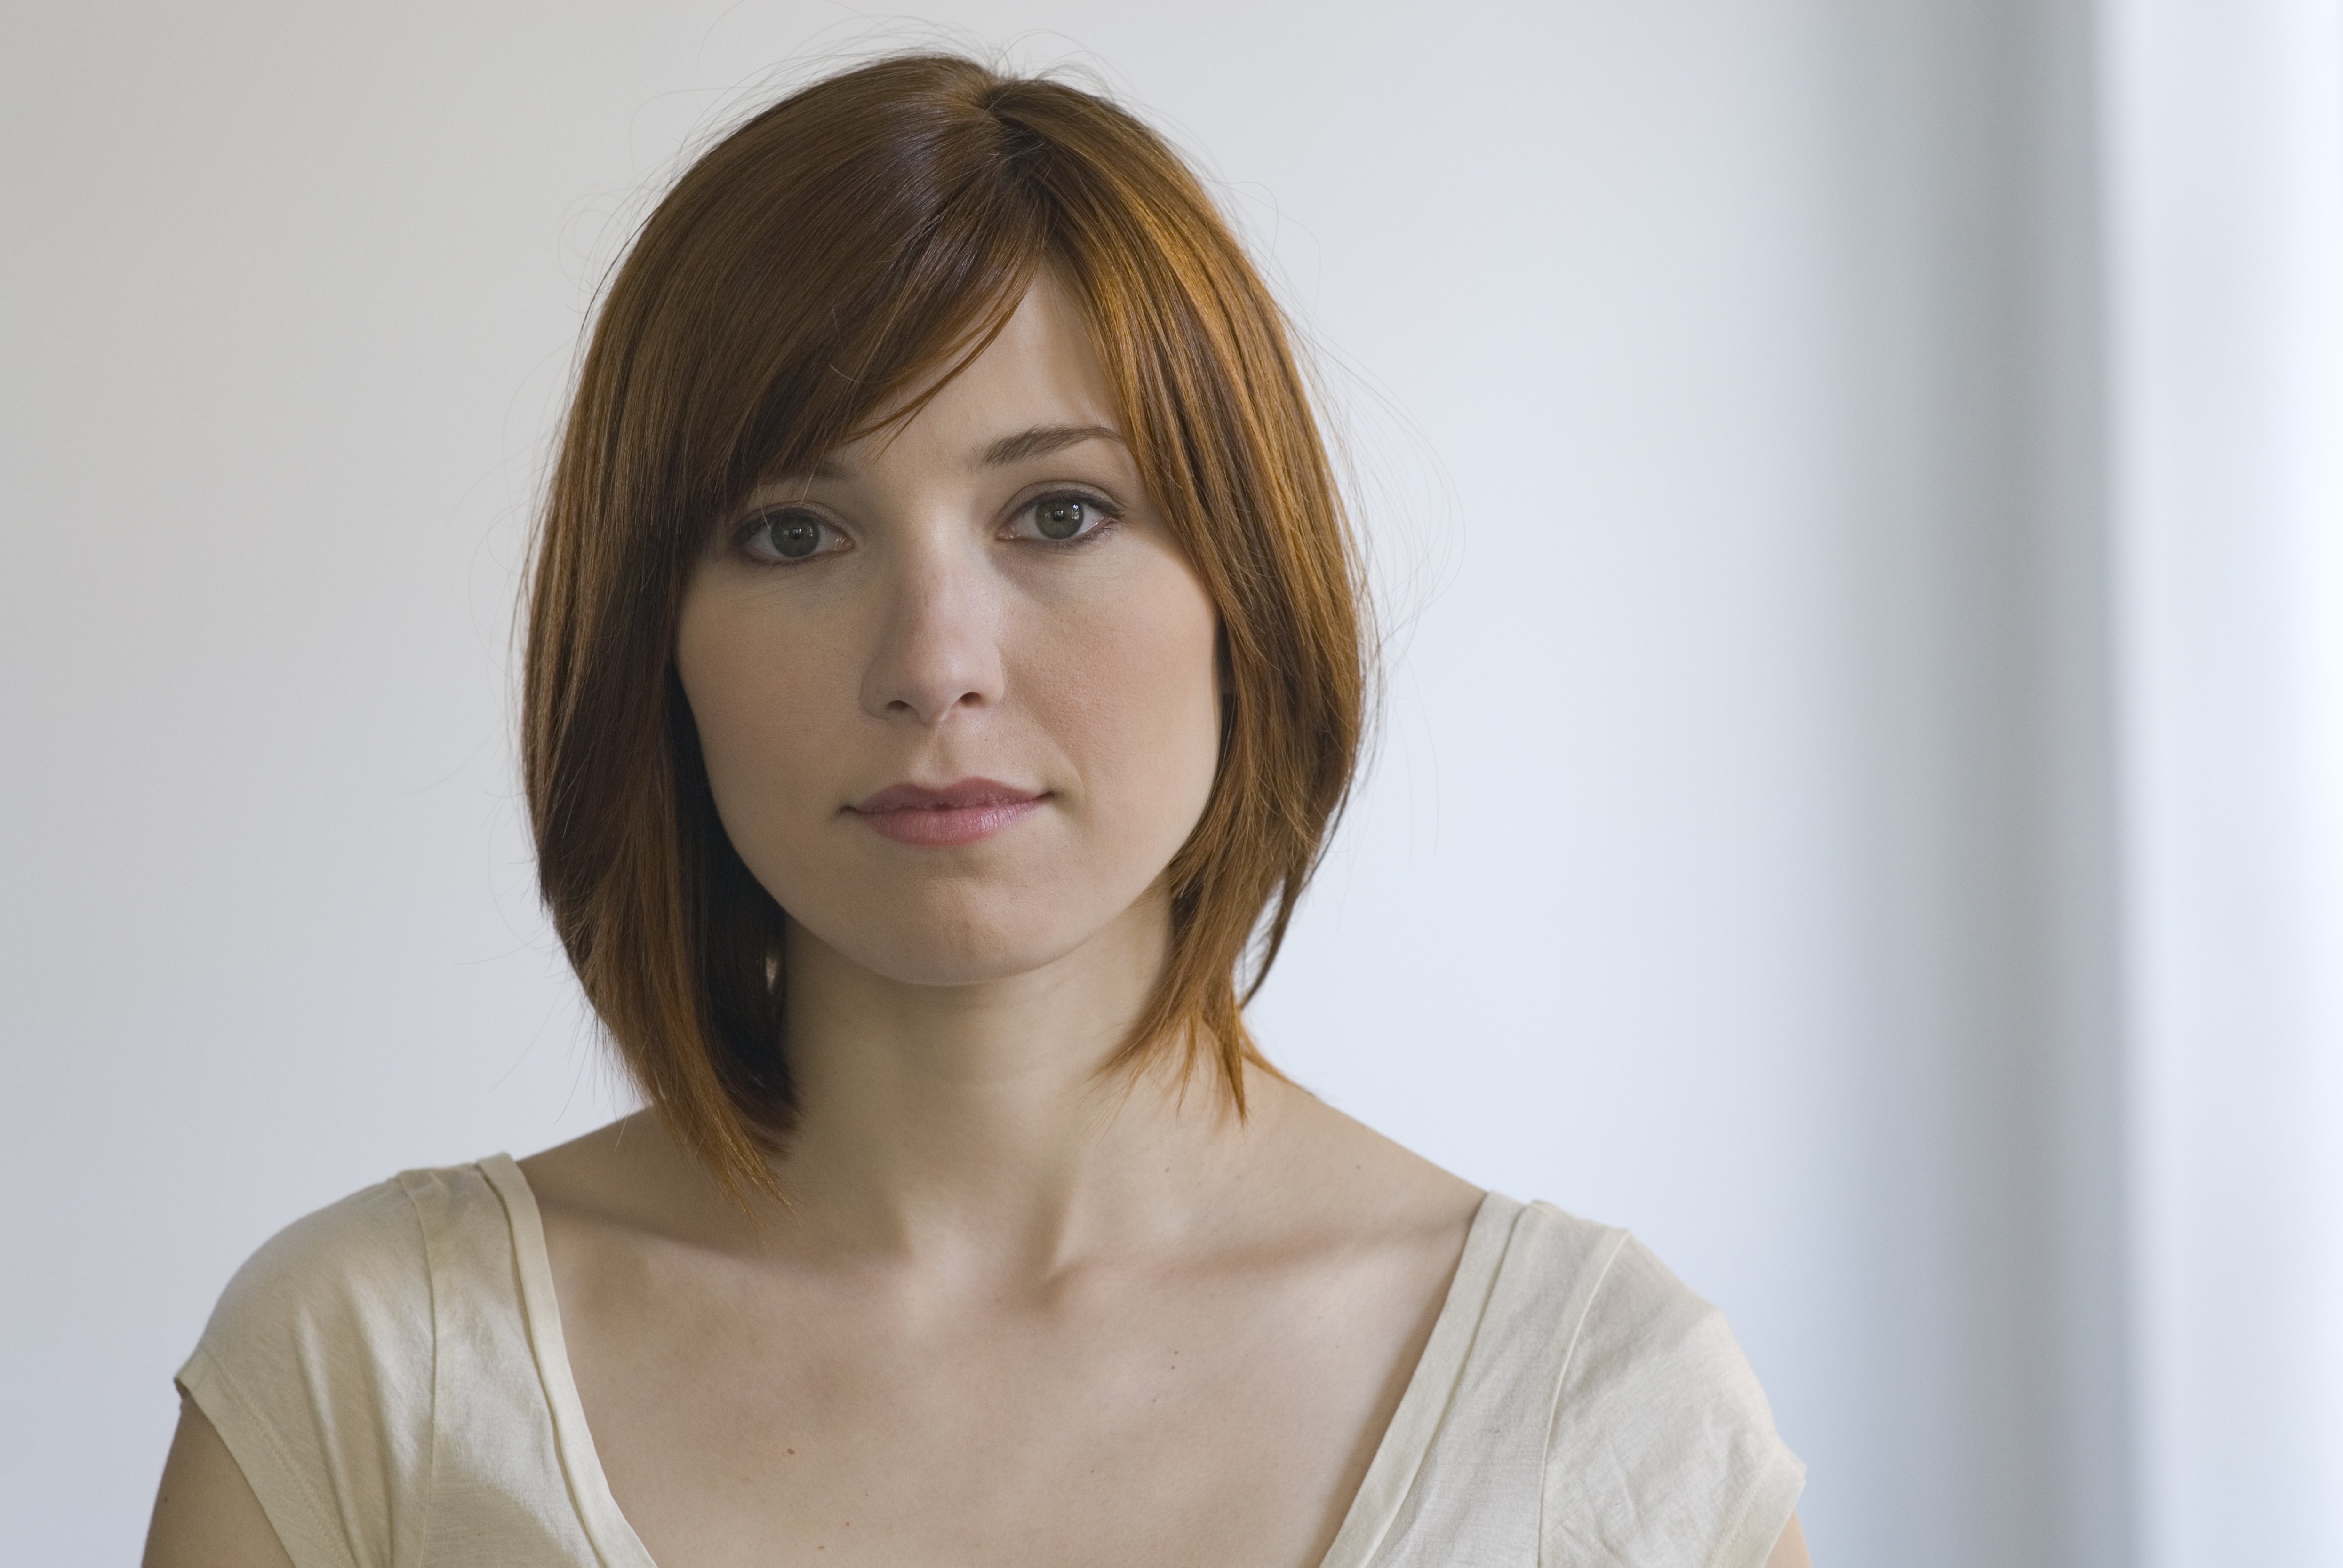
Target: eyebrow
x: 1038, y: 442
x: 1041, y: 440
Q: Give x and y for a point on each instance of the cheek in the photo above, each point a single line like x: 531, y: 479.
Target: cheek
x: 767, y: 708
x: 1131, y: 695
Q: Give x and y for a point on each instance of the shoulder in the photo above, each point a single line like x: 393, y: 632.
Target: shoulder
x: 1339, y: 1175
x: 317, y: 1365
x: 1660, y: 1434
x: 361, y: 1267
x: 363, y: 1246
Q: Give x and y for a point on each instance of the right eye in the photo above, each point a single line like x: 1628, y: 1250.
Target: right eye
x: 790, y: 534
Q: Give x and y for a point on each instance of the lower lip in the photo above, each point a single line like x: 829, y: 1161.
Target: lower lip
x: 945, y: 826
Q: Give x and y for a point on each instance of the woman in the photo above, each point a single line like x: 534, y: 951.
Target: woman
x: 944, y: 652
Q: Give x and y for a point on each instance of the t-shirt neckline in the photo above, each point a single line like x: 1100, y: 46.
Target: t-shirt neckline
x: 1399, y: 1455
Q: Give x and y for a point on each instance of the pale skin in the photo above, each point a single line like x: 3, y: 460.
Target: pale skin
x: 1016, y: 1309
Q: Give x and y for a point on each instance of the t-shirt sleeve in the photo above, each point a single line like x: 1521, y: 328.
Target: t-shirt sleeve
x: 317, y: 1370
x: 1662, y: 1452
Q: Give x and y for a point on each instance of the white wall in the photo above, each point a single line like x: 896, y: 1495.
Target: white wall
x: 1741, y: 864
x: 2225, y: 140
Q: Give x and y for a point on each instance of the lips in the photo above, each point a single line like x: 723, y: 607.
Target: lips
x: 959, y: 813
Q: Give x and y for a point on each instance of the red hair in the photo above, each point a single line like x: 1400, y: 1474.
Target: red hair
x: 802, y: 276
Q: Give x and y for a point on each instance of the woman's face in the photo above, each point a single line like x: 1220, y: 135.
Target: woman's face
x: 956, y: 688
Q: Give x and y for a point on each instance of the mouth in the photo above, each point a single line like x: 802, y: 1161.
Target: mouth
x: 960, y: 813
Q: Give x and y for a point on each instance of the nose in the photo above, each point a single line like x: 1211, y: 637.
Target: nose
x: 938, y: 652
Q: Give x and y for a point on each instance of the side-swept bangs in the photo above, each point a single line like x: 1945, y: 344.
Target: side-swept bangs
x: 799, y: 281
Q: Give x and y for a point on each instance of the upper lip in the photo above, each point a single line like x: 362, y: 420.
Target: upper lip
x: 959, y: 796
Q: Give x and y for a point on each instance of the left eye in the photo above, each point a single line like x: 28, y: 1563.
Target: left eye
x: 1058, y: 517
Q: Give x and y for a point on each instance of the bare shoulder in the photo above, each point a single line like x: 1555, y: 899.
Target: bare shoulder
x: 600, y: 1168
x: 1334, y: 1173
x: 625, y: 1176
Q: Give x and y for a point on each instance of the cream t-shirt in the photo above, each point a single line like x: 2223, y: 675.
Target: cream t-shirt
x: 390, y: 1376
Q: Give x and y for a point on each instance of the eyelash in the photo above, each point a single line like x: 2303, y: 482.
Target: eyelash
x: 761, y: 522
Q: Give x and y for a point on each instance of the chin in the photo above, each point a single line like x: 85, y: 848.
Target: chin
x: 971, y: 962
x: 961, y: 940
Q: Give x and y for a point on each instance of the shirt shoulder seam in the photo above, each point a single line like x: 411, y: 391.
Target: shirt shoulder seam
x: 1613, y: 1240
x: 429, y: 1481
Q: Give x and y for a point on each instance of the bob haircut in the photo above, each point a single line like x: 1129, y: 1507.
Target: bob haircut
x: 858, y: 240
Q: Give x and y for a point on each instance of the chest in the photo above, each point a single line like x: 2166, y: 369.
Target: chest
x: 747, y: 1415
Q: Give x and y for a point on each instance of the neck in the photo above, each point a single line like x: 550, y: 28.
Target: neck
x: 983, y: 1125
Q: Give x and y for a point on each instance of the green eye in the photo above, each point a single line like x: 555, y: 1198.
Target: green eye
x: 792, y: 535
x: 1061, y: 517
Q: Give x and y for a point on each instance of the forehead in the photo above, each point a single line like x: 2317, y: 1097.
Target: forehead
x: 1039, y: 373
